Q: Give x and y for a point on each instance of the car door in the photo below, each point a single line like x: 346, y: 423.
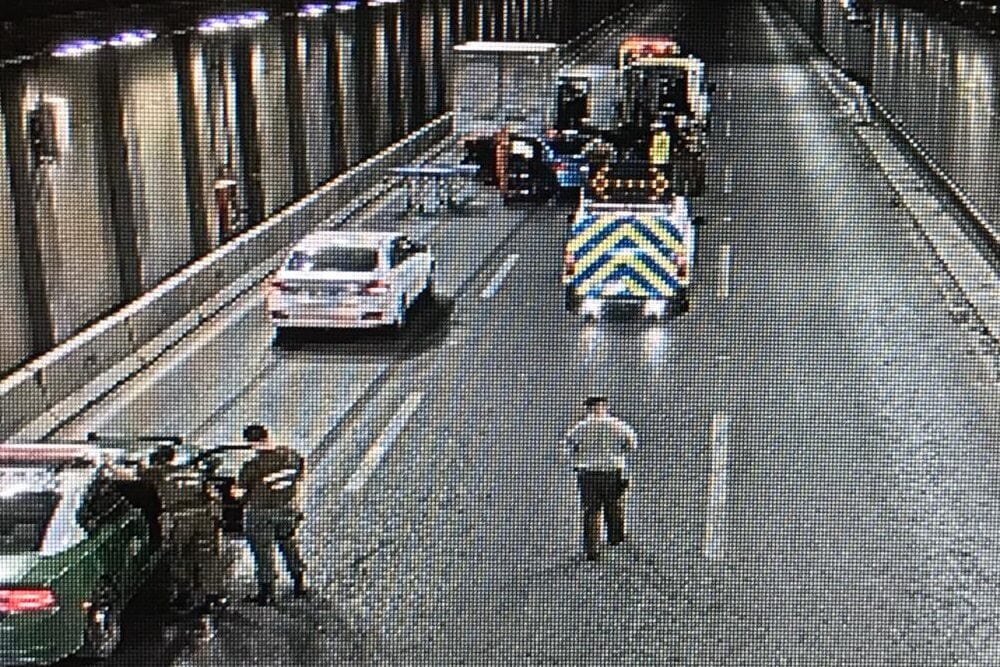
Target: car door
x: 119, y: 534
x: 403, y: 268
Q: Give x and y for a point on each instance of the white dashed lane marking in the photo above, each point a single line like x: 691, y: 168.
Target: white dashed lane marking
x: 718, y: 489
x: 497, y: 282
x: 385, y: 440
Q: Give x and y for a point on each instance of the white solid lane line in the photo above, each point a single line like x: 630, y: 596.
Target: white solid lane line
x: 718, y: 489
x: 725, y: 269
x: 497, y: 282
x: 385, y: 440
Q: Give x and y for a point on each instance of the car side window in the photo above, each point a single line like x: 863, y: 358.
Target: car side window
x: 396, y: 256
x: 101, y: 503
x: 402, y: 249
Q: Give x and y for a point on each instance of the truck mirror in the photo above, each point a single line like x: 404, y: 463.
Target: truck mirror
x: 710, y: 87
x: 698, y: 221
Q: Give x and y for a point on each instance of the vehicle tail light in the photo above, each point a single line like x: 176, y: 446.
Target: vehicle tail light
x: 377, y: 288
x: 569, y: 263
x: 682, y: 266
x: 19, y: 600
x: 560, y: 167
x: 279, y: 286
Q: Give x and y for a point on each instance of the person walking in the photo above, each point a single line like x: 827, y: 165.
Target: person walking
x: 269, y: 485
x: 597, y: 446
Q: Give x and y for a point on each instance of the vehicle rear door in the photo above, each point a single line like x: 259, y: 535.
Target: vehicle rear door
x: 405, y: 269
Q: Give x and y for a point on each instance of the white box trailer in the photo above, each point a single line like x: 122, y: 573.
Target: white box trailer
x: 504, y: 85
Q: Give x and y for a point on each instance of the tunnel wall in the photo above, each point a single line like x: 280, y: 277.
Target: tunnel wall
x: 936, y: 77
x: 168, y: 149
x: 15, y: 333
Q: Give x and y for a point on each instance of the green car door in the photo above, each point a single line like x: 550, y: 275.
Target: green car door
x: 63, y: 593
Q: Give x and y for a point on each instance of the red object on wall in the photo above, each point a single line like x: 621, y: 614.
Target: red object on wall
x: 225, y: 202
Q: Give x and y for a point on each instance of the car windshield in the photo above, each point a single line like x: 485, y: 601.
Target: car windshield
x: 24, y: 519
x: 568, y: 145
x: 335, y: 258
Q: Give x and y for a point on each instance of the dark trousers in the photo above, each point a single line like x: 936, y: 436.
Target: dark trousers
x: 601, y: 492
x: 267, y: 528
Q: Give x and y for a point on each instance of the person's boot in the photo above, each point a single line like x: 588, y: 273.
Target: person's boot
x: 299, y: 585
x: 264, y: 597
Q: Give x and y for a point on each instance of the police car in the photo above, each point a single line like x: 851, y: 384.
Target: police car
x: 336, y: 279
x: 75, y: 546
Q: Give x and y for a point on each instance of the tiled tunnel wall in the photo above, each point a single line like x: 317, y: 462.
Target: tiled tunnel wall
x: 936, y: 70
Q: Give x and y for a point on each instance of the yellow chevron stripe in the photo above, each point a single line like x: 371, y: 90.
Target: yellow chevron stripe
x: 601, y: 275
x: 630, y: 232
x: 637, y: 289
x: 603, y: 221
x: 595, y: 228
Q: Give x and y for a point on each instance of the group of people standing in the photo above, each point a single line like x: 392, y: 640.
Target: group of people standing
x: 268, y: 483
x: 190, y: 521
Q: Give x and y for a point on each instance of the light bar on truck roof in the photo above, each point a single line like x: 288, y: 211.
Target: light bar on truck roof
x: 633, y: 48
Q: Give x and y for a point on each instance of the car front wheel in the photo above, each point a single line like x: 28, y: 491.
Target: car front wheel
x: 104, y: 626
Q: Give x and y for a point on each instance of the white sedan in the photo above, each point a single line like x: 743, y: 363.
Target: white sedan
x: 349, y: 279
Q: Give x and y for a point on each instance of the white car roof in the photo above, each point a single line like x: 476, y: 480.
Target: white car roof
x: 326, y: 239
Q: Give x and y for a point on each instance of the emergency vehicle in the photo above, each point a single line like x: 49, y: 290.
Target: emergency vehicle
x: 661, y: 84
x: 78, y: 540
x: 631, y: 257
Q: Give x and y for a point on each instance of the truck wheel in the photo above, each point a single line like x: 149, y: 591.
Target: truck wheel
x: 572, y: 301
x: 104, y: 625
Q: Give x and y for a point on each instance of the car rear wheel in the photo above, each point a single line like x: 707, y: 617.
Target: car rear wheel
x: 280, y: 336
x: 572, y: 301
x: 104, y: 625
x: 428, y: 293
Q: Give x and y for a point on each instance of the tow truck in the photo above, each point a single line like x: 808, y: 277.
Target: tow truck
x: 661, y: 84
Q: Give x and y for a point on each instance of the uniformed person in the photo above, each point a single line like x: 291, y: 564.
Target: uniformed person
x: 269, y: 484
x: 597, y: 446
x: 189, y: 524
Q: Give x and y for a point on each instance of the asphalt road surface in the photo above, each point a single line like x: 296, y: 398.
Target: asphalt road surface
x: 815, y: 482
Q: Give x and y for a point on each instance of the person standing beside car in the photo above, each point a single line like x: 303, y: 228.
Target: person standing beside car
x: 190, y: 529
x: 597, y: 446
x: 268, y: 484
